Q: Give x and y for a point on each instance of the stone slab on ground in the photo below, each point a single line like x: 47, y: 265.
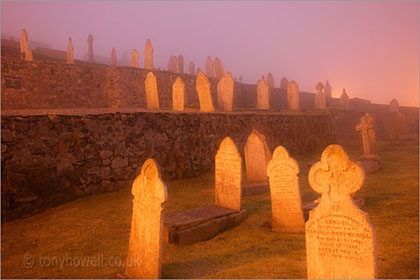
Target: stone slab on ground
x: 199, y: 224
x: 249, y: 190
x: 360, y: 202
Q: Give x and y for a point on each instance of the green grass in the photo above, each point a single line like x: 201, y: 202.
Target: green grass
x: 99, y: 226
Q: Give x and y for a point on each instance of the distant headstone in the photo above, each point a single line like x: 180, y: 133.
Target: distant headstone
x: 202, y: 87
x: 24, y: 49
x: 257, y: 155
x: 344, y: 100
x: 263, y: 95
x: 209, y: 67
x: 152, y: 97
x: 368, y: 134
x: 178, y: 95
x: 225, y: 88
x: 394, y: 106
x: 134, y: 58
x: 286, y: 204
x: 179, y: 64
x: 327, y: 89
x: 340, y: 241
x: 228, y: 175
x: 113, y: 57
x: 270, y: 80
x: 218, y: 68
x: 191, y: 69
x: 172, y: 63
x: 69, y: 53
x: 293, y: 96
x: 148, y: 55
x: 320, y: 103
x: 145, y: 245
x: 283, y: 83
x: 90, y: 48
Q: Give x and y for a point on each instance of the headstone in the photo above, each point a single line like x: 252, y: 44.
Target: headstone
x: 327, y: 89
x: 340, y: 241
x: 24, y: 49
x: 394, y: 106
x: 270, y: 80
x: 228, y: 175
x: 202, y: 87
x: 344, y: 100
x: 145, y: 246
x: 225, y: 88
x: 198, y: 70
x: 320, y: 103
x: 148, y: 55
x: 286, y: 204
x: 191, y: 69
x: 283, y: 83
x: 257, y: 155
x: 113, y: 57
x: 180, y: 64
x: 134, y: 58
x: 218, y: 68
x: 367, y: 134
x: 90, y: 48
x: 69, y: 53
x: 178, y: 95
x: 172, y: 63
x: 293, y: 96
x: 209, y: 68
x: 263, y: 95
x: 152, y: 97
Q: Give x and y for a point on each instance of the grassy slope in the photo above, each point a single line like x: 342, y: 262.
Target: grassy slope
x: 99, y: 226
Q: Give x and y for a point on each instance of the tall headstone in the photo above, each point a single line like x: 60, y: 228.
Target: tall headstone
x: 270, y: 80
x: 145, y: 245
x: 178, y: 95
x: 327, y: 89
x: 283, y: 83
x: 209, y: 67
x: 228, y: 175
x: 90, y: 48
x: 172, y: 63
x: 134, y: 58
x: 191, y: 68
x: 286, y: 204
x: 394, y: 106
x: 152, y: 97
x: 218, y: 68
x: 367, y: 134
x: 257, y: 155
x: 70, y: 51
x: 225, y: 88
x: 24, y: 48
x: 340, y: 241
x: 113, y: 57
x: 263, y: 95
x: 320, y: 103
x: 293, y: 96
x: 148, y: 55
x: 202, y: 87
x: 344, y: 100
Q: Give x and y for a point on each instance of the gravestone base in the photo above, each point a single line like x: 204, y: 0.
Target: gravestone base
x: 255, y: 188
x: 199, y: 224
x: 360, y: 202
x: 370, y: 163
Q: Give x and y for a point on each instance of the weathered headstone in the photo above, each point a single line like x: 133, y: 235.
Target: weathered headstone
x: 327, y: 89
x: 218, y: 68
x: 148, y: 55
x: 263, y: 95
x: 152, y: 97
x: 340, y: 241
x: 225, y: 88
x: 293, y: 96
x: 344, y: 100
x: 191, y: 68
x: 369, y: 160
x: 257, y: 155
x: 172, y: 63
x: 209, y: 67
x: 69, y: 53
x: 178, y: 95
x: 394, y: 106
x: 145, y: 246
x: 270, y: 80
x: 320, y: 103
x: 228, y: 175
x: 179, y: 64
x: 202, y: 87
x: 24, y: 49
x: 90, y: 48
x: 283, y: 83
x: 113, y: 57
x: 134, y: 58
x: 286, y: 204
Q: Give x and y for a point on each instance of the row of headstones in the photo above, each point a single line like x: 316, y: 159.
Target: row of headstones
x: 340, y: 241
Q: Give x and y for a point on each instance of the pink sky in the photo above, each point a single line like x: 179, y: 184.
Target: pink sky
x: 369, y: 48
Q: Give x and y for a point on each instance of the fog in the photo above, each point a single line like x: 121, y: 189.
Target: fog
x: 369, y: 48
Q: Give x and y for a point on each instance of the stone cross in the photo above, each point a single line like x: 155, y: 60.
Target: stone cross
x: 152, y: 97
x: 145, y: 247
x: 218, y: 68
x: 270, y: 80
x: 24, y: 49
x: 283, y: 83
x: 286, y: 204
x: 327, y: 89
x: 209, y: 67
x: 293, y: 96
x: 113, y: 57
x: 263, y: 95
x: 257, y: 155
x: 340, y: 241
x: 148, y: 55
x: 202, y: 87
x: 191, y: 68
x: 320, y: 103
x: 344, y: 100
x: 225, y: 88
x: 69, y: 53
x: 394, y: 106
x: 90, y: 48
x: 368, y: 134
x: 178, y: 95
x: 228, y: 175
x: 134, y: 58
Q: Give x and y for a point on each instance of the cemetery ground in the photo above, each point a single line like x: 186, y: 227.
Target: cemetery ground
x: 88, y: 238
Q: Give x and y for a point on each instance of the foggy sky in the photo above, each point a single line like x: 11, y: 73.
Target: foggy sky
x: 369, y: 48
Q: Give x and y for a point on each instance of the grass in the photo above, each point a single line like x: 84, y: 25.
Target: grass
x: 99, y: 226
